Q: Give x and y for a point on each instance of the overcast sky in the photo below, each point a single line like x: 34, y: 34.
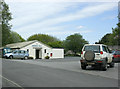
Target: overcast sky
x: 61, y: 19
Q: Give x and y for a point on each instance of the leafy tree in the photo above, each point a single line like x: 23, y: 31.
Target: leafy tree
x: 106, y: 39
x: 15, y: 37
x: 112, y: 38
x: 56, y: 44
x: 8, y: 36
x: 6, y: 17
x: 43, y: 38
x: 115, y: 34
x: 74, y: 42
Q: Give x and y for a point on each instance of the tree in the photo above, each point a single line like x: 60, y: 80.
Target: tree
x: 43, y: 38
x: 106, y: 39
x: 116, y: 37
x: 112, y: 38
x: 6, y: 17
x: 15, y: 37
x: 74, y: 42
x: 56, y: 44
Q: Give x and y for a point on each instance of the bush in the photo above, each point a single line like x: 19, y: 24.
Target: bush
x: 73, y: 55
x: 47, y: 57
x: 30, y: 57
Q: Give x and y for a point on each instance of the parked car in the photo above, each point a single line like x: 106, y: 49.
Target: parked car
x: 116, y: 56
x: 17, y: 54
x: 96, y: 55
x: 5, y: 51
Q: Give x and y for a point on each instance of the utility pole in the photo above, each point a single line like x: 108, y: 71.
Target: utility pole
x: 1, y: 27
x: 118, y: 24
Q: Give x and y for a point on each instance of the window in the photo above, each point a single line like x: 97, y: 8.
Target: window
x: 19, y: 51
x: 22, y: 51
x: 93, y: 48
x: 109, y: 50
x: 15, y: 52
x: 104, y: 49
x: 45, y: 51
x: 28, y: 50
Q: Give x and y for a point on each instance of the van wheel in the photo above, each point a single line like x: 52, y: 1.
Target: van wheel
x: 11, y: 57
x: 25, y: 58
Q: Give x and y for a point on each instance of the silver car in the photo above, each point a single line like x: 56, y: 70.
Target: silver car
x: 17, y: 54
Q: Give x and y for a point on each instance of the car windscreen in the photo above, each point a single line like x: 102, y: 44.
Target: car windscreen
x: 94, y: 48
x: 7, y: 50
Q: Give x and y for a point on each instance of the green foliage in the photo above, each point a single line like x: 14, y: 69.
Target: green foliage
x: 30, y: 57
x: 106, y: 39
x: 15, y: 37
x: 56, y: 44
x: 43, y: 38
x: 6, y: 17
x: 111, y: 38
x: 74, y: 42
x: 8, y: 36
x: 116, y: 35
x: 47, y: 57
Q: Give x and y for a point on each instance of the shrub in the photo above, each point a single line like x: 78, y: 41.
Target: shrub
x: 30, y: 57
x: 47, y: 57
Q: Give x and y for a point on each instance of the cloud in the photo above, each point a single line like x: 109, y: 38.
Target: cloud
x: 62, y: 0
x: 66, y: 33
x: 79, y: 14
x: 34, y: 12
x: 54, y: 18
x: 79, y: 27
x: 109, y: 17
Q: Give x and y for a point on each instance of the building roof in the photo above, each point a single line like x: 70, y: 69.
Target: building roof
x: 23, y: 44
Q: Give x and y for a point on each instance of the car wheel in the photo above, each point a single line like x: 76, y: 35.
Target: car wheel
x: 26, y: 58
x: 11, y: 57
x: 104, y: 67
x: 112, y: 64
x: 83, y: 67
x: 89, y: 56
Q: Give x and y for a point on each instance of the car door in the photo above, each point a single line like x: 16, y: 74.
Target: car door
x: 21, y: 54
x: 105, y: 52
x: 108, y: 54
x: 15, y: 54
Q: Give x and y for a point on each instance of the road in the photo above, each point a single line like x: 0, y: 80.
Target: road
x: 55, y: 73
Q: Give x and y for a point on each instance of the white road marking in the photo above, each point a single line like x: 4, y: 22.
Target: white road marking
x: 12, y: 82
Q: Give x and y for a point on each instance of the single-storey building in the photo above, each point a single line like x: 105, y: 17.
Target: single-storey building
x: 37, y: 49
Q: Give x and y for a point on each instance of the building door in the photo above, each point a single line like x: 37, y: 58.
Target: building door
x: 37, y: 54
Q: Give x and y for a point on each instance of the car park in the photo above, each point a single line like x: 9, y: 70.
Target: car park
x: 96, y: 55
x: 116, y: 56
x: 22, y: 54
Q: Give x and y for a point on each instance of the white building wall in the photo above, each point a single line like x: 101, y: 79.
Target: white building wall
x: 32, y: 50
x: 57, y: 53
x: 48, y: 51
